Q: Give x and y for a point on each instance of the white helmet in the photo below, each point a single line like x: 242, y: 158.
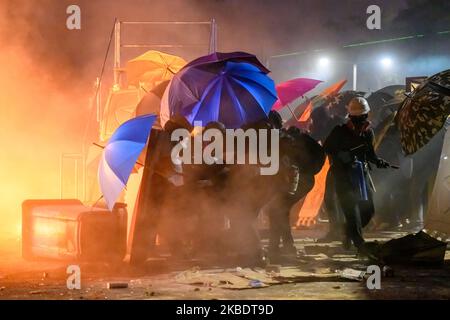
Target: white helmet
x: 358, y: 106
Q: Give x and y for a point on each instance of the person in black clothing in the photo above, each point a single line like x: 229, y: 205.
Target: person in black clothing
x: 346, y: 145
x: 301, y: 157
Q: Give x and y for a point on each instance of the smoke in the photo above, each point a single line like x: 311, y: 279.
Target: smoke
x: 48, y: 71
x: 43, y: 106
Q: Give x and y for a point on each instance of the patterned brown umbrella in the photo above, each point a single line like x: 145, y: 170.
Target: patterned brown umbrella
x: 338, y: 103
x: 424, y: 112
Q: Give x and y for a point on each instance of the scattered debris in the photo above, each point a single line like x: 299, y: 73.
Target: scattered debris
x: 226, y: 280
x: 256, y: 284
x: 246, y: 278
x: 317, y: 257
x: 38, y: 292
x: 295, y: 274
x: 258, y: 275
x: 117, y: 285
x: 150, y: 294
x: 352, y: 274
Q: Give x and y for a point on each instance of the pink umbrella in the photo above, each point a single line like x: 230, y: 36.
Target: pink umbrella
x: 292, y: 89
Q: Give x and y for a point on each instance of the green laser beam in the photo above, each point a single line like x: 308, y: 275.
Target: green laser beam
x: 360, y: 44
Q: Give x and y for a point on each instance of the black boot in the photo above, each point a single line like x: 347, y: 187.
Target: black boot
x: 369, y: 250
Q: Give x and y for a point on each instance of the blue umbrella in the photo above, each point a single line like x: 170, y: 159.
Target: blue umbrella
x: 120, y: 155
x: 234, y: 93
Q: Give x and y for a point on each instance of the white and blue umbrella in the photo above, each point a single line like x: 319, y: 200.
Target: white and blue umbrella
x: 120, y: 154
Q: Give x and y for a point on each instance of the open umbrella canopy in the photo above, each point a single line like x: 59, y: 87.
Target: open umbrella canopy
x: 233, y: 93
x: 120, y: 154
x: 327, y: 94
x: 338, y: 103
x: 385, y: 101
x: 333, y: 89
x: 316, y: 102
x: 393, y: 90
x: 221, y: 57
x: 292, y: 89
x: 153, y: 67
x: 424, y: 112
x: 151, y: 102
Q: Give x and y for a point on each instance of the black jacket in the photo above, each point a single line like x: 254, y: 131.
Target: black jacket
x: 344, y: 144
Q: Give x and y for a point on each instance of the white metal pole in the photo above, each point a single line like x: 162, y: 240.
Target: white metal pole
x: 213, y: 37
x: 98, y: 103
x: 61, y: 176
x: 117, y: 53
x: 355, y: 71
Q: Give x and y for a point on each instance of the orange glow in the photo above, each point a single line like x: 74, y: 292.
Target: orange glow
x: 313, y: 201
x: 39, y: 118
x: 48, y: 228
x: 306, y: 114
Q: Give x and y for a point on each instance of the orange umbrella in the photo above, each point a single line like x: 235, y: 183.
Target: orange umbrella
x: 318, y: 100
x: 153, y: 67
x: 328, y: 93
x: 333, y: 89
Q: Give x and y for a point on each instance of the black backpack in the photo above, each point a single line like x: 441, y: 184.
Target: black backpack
x: 306, y: 152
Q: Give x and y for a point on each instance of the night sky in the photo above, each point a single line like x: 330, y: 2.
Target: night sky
x: 263, y: 27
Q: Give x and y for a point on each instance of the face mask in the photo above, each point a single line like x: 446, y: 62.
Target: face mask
x: 358, y: 119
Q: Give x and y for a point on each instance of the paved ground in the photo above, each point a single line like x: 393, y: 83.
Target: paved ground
x: 314, y: 275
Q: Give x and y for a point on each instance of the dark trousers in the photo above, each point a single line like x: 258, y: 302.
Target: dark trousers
x: 332, y: 208
x: 279, y: 219
x: 357, y: 213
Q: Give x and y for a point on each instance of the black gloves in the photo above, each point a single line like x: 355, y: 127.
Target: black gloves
x: 382, y: 163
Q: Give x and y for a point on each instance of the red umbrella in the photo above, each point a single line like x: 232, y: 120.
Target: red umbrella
x: 292, y: 89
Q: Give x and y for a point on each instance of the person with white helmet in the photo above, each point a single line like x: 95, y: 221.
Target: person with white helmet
x: 350, y: 148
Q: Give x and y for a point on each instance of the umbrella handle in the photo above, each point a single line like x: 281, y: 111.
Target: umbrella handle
x: 292, y: 112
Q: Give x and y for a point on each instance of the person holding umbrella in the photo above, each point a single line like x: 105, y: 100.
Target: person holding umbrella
x: 350, y: 149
